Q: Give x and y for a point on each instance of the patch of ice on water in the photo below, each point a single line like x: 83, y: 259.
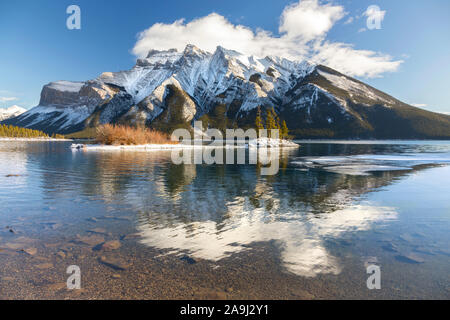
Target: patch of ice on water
x: 358, y: 170
x: 364, y: 164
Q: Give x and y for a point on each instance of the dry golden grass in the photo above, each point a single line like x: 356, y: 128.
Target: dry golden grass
x: 122, y: 135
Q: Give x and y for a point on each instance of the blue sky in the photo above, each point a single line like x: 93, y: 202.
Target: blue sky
x: 413, y: 42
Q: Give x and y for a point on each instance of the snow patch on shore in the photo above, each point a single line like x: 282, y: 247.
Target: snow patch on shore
x: 256, y: 143
x: 272, y: 143
x: 133, y: 147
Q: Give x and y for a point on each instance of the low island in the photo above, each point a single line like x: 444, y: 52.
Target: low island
x: 117, y: 137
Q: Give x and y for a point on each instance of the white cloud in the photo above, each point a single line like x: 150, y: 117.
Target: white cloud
x: 303, y: 29
x: 419, y: 105
x: 349, y: 20
x: 6, y: 99
x: 206, y: 32
x: 354, y: 62
x: 309, y: 20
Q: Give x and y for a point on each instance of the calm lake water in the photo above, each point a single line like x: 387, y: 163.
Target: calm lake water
x: 225, y: 231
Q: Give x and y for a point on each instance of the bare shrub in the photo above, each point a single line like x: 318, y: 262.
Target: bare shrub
x: 123, y: 135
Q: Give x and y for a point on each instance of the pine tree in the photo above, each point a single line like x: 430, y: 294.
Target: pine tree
x: 258, y: 121
x: 205, y: 121
x: 284, y: 130
x: 277, y: 119
x: 17, y: 132
x: 221, y: 120
x: 277, y: 123
x: 270, y: 121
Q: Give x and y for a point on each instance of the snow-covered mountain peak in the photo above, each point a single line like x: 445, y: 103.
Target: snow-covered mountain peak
x: 186, y: 85
x: 66, y: 86
x: 167, y: 58
x: 159, y: 57
x: 191, y: 49
x: 15, y: 109
x: 246, y: 61
x: 154, y: 52
x: 11, y: 112
x: 208, y: 78
x: 227, y: 52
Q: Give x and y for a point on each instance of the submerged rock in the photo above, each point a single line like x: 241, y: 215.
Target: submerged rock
x: 43, y: 266
x: 406, y: 237
x: 368, y: 261
x: 130, y: 236
x: 188, y: 259
x: 13, y: 246
x: 114, y: 263
x: 110, y: 245
x: 410, y: 258
x: 424, y: 250
x: 92, y: 240
x: 56, y: 286
x: 390, y: 247
x: 8, y: 252
x: 98, y: 231
x: 30, y: 251
x: 209, y: 294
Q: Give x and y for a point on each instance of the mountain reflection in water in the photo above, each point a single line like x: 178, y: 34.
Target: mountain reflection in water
x: 211, y: 212
x: 214, y: 211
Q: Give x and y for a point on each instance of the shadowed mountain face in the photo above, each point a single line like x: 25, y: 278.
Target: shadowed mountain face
x: 169, y: 88
x: 327, y: 103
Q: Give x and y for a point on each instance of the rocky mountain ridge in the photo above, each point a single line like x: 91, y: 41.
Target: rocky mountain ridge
x: 170, y: 88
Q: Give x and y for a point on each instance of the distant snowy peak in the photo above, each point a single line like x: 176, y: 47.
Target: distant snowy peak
x: 11, y: 112
x: 242, y: 63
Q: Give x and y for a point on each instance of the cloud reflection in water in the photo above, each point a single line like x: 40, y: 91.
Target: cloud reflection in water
x: 301, y: 241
